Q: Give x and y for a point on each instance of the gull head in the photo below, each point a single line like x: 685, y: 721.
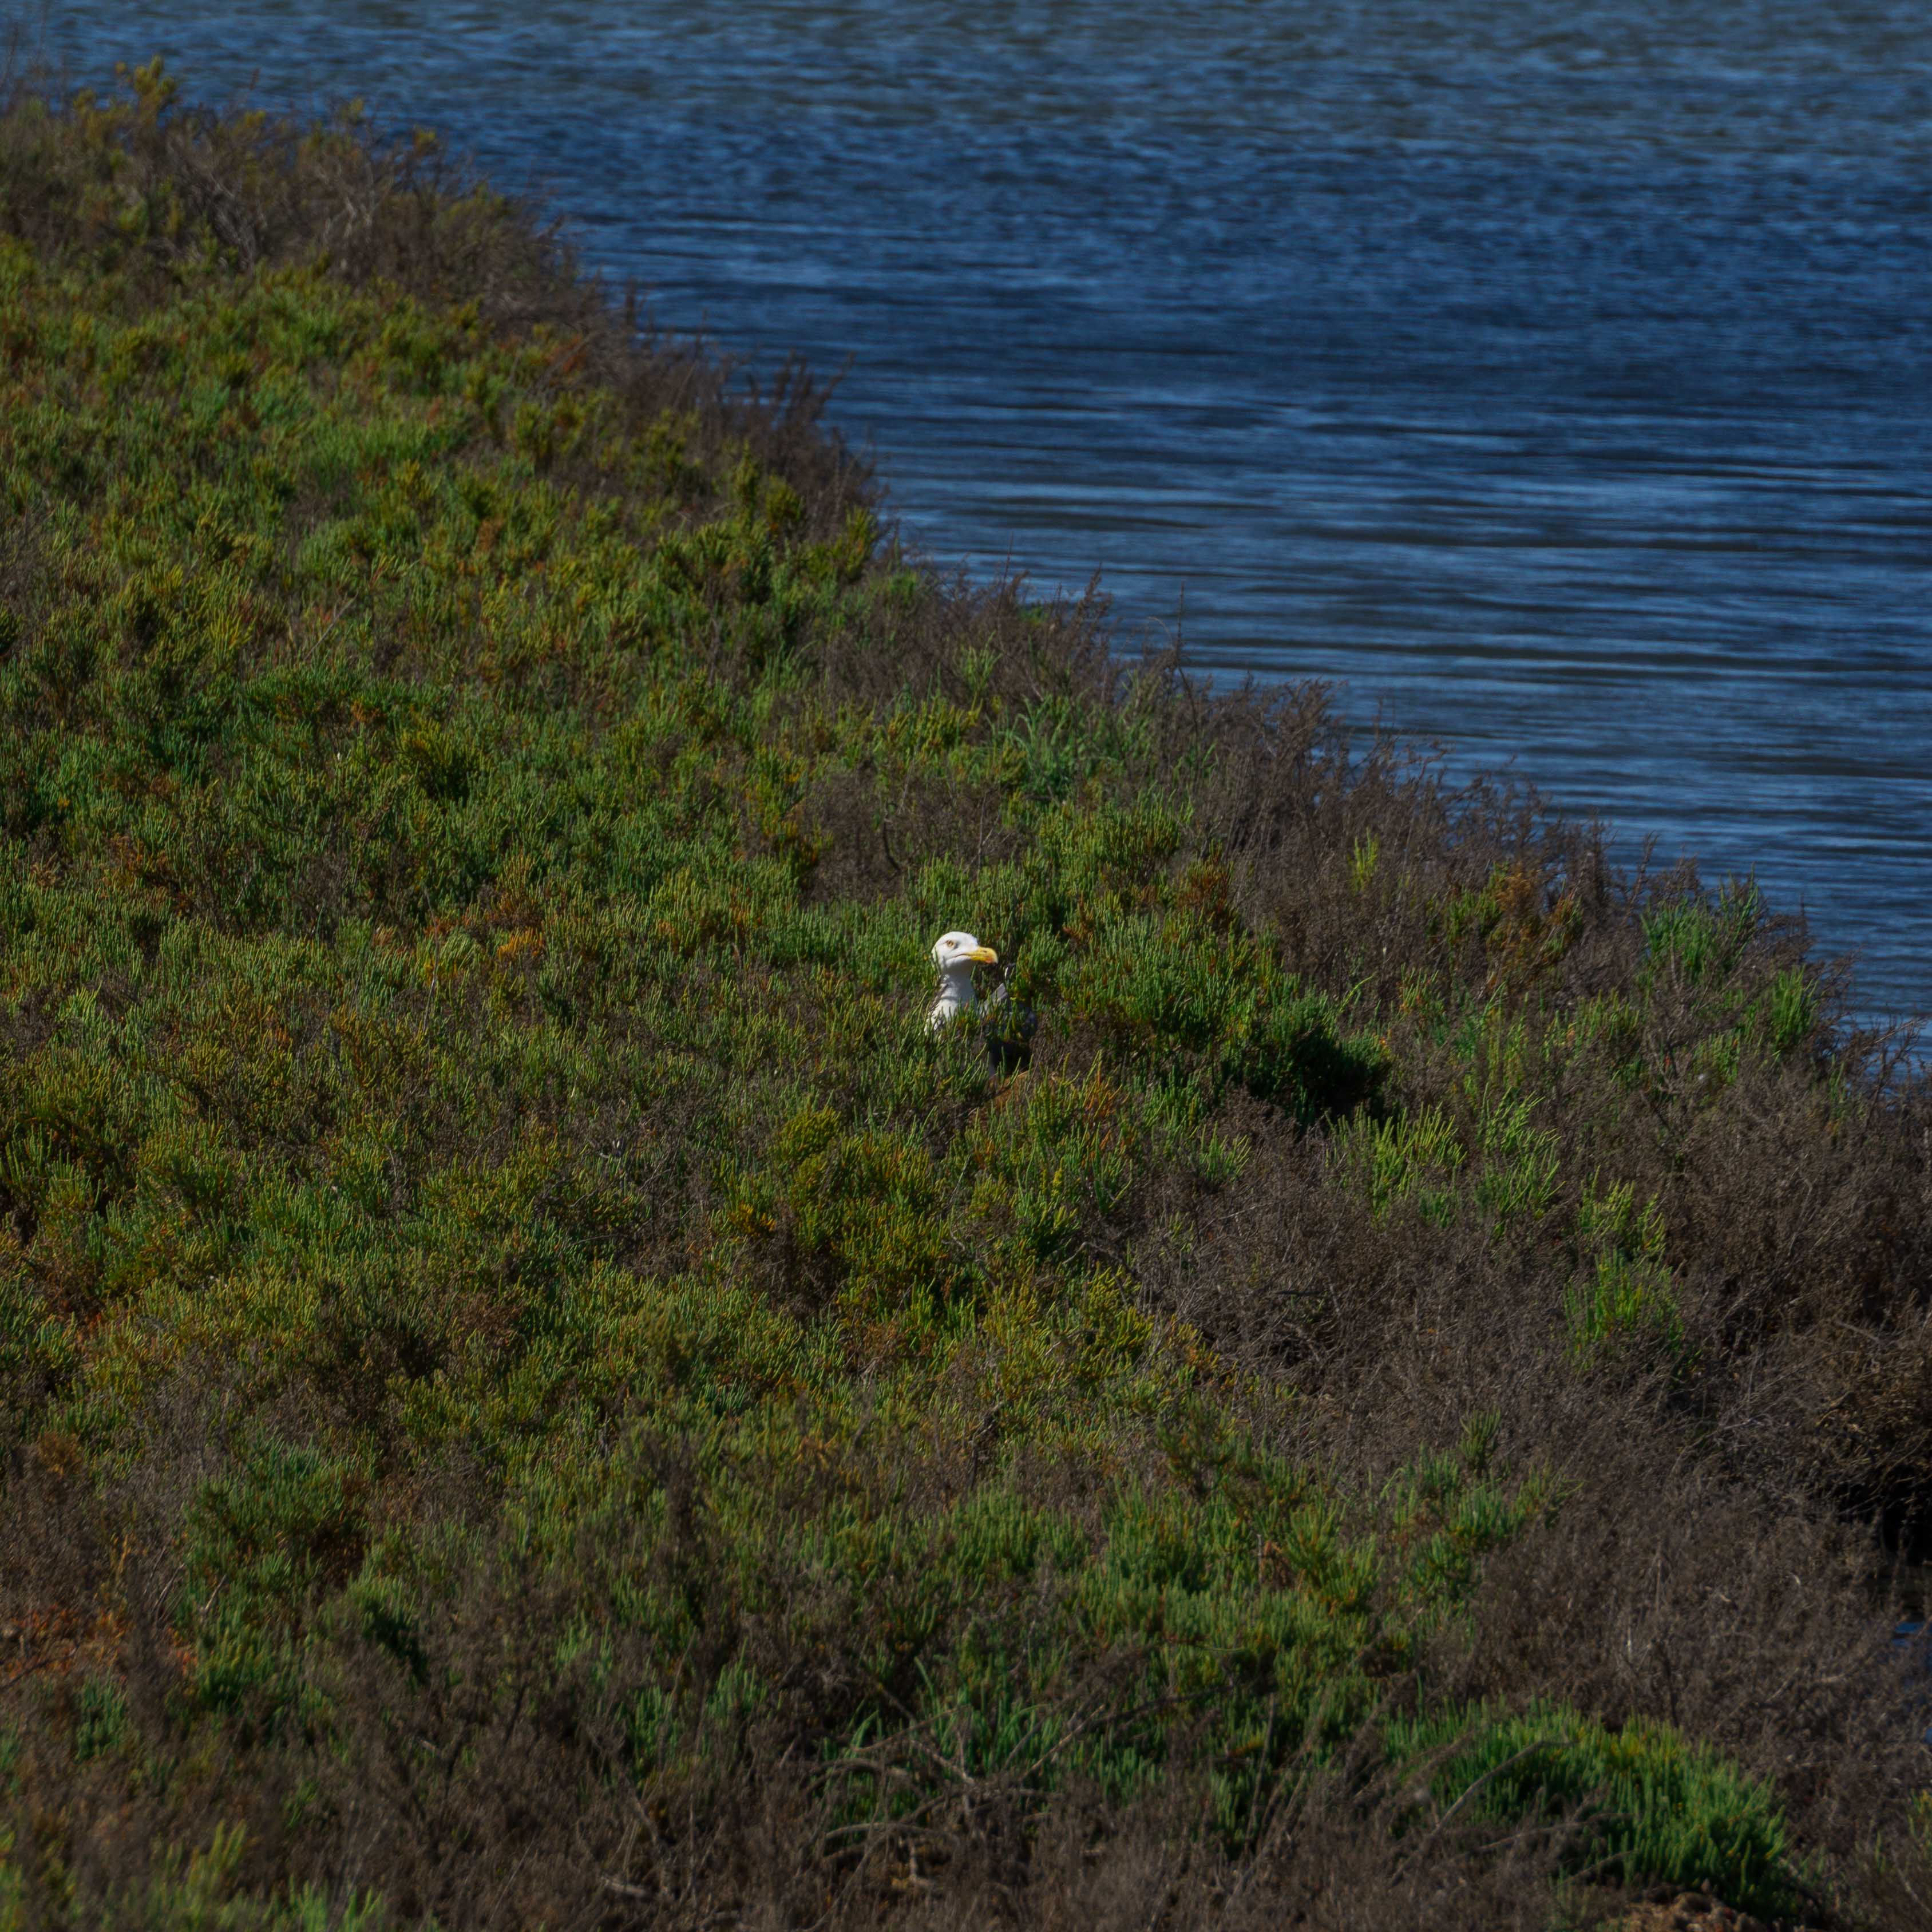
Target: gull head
x: 958, y: 952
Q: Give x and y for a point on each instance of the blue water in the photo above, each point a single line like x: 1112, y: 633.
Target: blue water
x: 1912, y: 1641
x: 1558, y: 380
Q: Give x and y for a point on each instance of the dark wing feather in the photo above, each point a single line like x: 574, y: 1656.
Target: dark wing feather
x: 1009, y: 1028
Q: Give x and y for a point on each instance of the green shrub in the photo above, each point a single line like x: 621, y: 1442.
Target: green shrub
x: 1640, y: 1803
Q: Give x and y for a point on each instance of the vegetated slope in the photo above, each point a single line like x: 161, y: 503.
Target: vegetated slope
x: 535, y: 1392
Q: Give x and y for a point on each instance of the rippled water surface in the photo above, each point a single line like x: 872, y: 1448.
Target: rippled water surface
x: 1557, y: 379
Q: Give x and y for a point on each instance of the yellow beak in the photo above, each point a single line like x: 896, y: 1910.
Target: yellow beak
x: 985, y: 955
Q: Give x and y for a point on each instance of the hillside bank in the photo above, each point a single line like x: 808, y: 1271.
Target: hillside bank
x: 535, y: 1392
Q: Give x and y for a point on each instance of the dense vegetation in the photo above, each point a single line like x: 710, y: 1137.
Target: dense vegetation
x: 535, y: 1392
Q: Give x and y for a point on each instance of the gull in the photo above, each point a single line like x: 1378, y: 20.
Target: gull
x: 1010, y: 1027
x: 956, y: 954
